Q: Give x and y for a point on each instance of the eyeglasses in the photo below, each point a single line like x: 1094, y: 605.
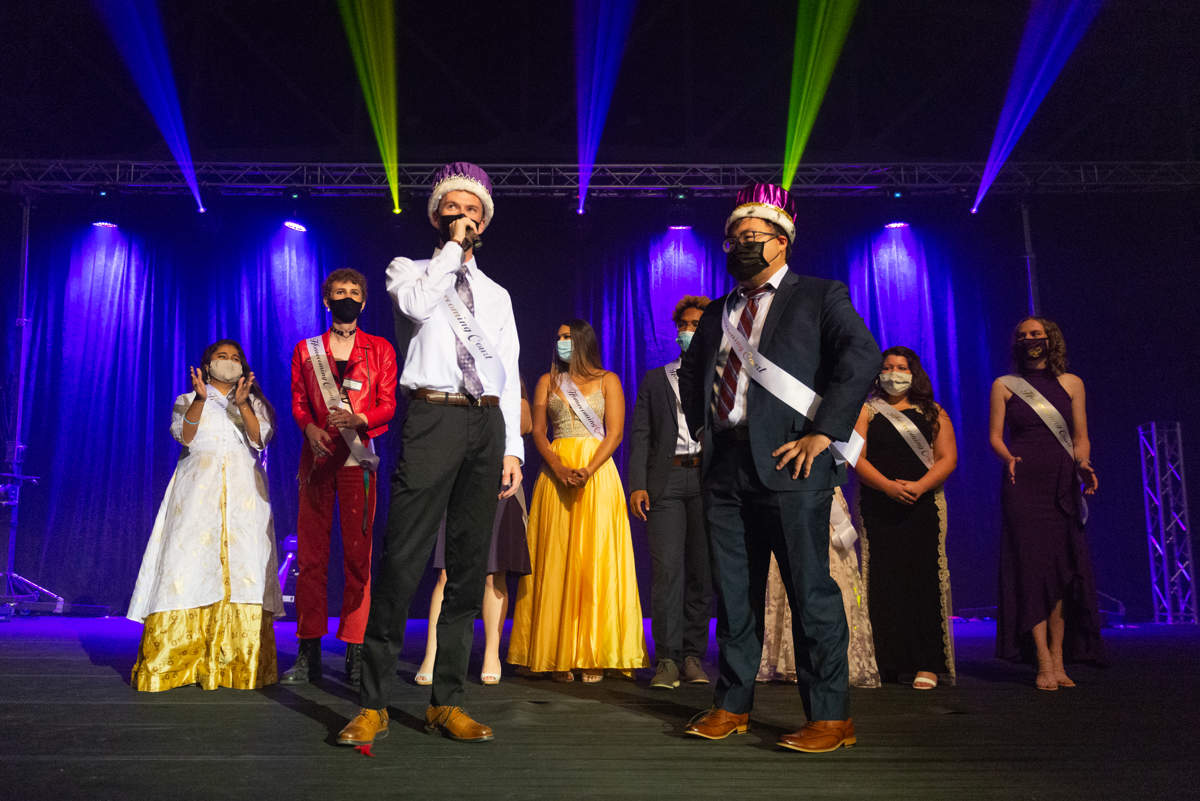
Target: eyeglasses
x: 745, y: 238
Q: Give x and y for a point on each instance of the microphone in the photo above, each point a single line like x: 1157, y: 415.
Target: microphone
x: 470, y: 242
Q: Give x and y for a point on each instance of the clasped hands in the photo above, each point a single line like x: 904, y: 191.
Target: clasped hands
x: 571, y: 477
x: 319, y: 439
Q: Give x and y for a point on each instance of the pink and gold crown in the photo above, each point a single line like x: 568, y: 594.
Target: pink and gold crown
x: 765, y: 202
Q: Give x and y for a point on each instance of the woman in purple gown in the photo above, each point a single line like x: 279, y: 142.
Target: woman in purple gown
x: 1047, y: 605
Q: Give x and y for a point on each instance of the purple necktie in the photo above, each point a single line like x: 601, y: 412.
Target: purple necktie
x: 471, y: 382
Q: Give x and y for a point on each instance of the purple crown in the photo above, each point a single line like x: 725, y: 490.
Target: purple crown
x: 465, y: 176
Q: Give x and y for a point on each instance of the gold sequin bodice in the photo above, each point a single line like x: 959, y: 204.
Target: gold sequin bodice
x: 563, y: 421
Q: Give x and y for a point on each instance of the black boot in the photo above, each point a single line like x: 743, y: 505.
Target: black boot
x: 308, y: 663
x: 354, y: 659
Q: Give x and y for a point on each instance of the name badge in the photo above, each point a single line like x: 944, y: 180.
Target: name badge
x: 350, y: 383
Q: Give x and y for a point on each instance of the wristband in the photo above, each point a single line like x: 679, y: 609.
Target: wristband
x: 190, y: 422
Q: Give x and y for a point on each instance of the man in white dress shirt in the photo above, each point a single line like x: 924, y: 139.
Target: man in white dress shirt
x: 461, y: 452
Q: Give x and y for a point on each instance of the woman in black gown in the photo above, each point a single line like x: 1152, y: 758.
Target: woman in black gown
x: 1047, y: 605
x: 902, y: 520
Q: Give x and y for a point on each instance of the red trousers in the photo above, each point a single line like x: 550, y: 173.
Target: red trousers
x: 354, y: 490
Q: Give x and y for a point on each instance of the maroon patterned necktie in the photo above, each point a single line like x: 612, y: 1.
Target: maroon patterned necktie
x: 727, y: 393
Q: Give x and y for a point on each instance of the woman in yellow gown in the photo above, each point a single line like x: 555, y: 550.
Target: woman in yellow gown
x: 579, y: 609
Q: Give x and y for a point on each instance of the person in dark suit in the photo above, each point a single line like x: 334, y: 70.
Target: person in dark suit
x: 664, y: 474
x: 768, y: 471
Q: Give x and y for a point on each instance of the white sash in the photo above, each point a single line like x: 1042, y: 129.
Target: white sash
x: 786, y: 387
x: 364, y: 453
x: 908, y: 429
x: 583, y: 412
x: 672, y: 371
x: 470, y: 333
x: 1051, y: 416
x: 841, y: 531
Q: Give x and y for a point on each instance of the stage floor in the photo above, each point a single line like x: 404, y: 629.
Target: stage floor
x: 70, y: 727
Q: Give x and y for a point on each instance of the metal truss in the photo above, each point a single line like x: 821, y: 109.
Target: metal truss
x: 608, y: 180
x: 1167, y: 533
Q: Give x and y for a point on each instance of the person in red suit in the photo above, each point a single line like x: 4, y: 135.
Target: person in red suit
x: 343, y: 395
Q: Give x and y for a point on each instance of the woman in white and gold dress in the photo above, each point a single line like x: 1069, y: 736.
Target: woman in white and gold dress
x: 207, y: 591
x: 778, y: 661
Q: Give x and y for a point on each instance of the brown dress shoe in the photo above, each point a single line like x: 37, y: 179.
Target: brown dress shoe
x: 367, y: 726
x: 456, y: 724
x: 717, y: 724
x: 693, y: 671
x: 819, y: 736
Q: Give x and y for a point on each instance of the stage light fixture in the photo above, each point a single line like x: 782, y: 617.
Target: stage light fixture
x: 295, y: 226
x: 896, y: 225
x: 104, y: 224
x: 897, y: 194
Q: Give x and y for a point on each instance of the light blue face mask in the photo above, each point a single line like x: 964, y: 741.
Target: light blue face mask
x: 564, y: 348
x: 684, y: 338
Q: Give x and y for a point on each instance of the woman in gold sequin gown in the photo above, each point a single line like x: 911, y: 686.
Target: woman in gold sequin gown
x: 207, y: 590
x: 579, y: 609
x: 778, y: 661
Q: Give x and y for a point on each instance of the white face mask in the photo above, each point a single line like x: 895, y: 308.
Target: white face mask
x: 225, y: 370
x: 895, y: 382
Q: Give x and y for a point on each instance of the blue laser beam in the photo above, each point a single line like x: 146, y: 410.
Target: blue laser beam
x: 136, y: 27
x: 1053, y: 30
x: 601, y: 28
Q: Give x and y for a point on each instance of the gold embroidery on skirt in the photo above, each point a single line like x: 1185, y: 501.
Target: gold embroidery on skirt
x: 219, y: 645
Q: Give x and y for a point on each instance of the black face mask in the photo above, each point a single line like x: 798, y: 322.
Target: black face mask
x: 345, y: 310
x: 1031, y: 350
x: 473, y: 242
x: 745, y: 260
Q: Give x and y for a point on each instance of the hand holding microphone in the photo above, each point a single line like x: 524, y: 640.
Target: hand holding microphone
x: 462, y: 229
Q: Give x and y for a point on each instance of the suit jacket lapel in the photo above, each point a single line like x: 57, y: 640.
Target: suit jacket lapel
x: 779, y: 303
x: 671, y: 401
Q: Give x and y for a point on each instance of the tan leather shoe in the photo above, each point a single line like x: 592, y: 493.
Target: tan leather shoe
x: 367, y: 726
x: 717, y: 724
x: 456, y: 724
x: 819, y: 736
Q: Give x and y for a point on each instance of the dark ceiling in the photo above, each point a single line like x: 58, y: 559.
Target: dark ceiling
x: 700, y: 82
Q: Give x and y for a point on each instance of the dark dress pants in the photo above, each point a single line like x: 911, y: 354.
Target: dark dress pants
x: 746, y: 523
x: 451, y: 465
x: 682, y: 590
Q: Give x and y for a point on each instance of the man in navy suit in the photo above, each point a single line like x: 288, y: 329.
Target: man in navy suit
x: 747, y: 385
x: 664, y: 482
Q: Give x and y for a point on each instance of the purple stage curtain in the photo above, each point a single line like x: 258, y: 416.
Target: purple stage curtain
x: 118, y: 320
x: 630, y: 296
x: 912, y: 288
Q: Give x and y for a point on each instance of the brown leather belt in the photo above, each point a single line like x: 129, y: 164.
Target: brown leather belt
x: 454, y: 398
x: 686, y: 460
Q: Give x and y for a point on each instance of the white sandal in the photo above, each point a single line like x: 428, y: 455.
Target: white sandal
x: 924, y: 683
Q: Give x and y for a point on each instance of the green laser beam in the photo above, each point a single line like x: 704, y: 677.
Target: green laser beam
x: 371, y: 29
x: 821, y: 28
